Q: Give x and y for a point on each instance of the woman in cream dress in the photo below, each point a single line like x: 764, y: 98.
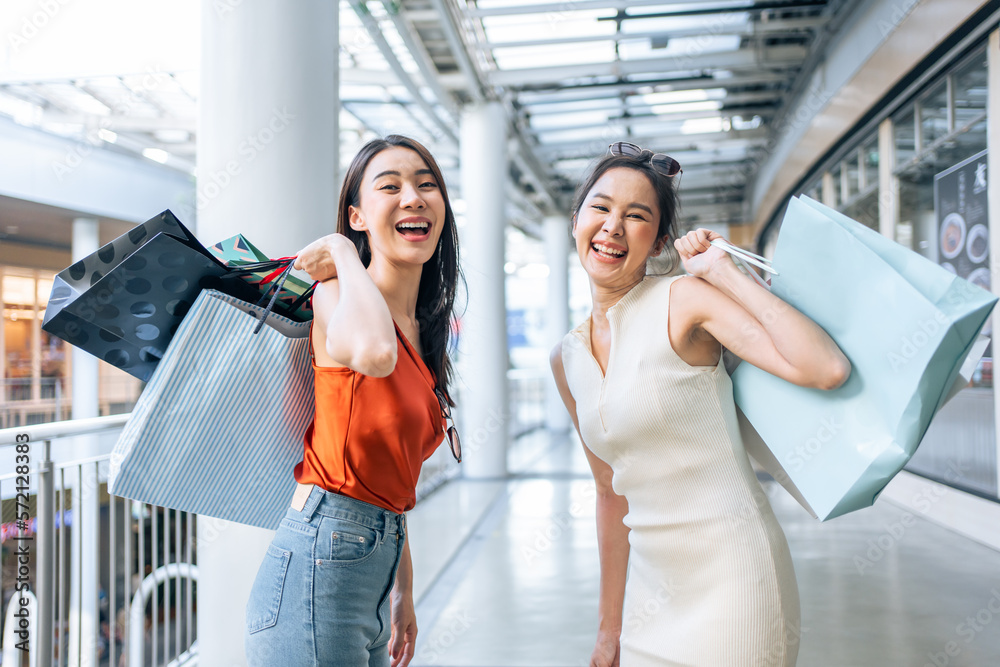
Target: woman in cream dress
x: 695, y: 569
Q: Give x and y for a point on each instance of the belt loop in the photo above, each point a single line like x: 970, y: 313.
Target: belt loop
x: 312, y: 503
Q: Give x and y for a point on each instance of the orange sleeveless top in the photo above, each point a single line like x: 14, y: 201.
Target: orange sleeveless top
x: 370, y: 436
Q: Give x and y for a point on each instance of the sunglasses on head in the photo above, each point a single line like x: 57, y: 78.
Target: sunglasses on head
x: 664, y: 164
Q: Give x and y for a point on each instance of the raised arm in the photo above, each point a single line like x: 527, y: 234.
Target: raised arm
x: 728, y: 306
x: 351, y: 319
x: 612, y: 537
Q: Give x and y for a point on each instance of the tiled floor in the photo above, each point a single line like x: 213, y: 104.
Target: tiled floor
x: 506, y: 575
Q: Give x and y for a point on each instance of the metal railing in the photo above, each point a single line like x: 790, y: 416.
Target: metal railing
x: 65, y: 616
x: 29, y: 401
x: 65, y: 571
x: 526, y: 389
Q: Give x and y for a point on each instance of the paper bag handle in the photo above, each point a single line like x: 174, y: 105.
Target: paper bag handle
x: 744, y: 257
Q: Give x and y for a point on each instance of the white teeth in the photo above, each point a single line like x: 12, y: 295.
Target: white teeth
x: 608, y: 251
x: 412, y: 225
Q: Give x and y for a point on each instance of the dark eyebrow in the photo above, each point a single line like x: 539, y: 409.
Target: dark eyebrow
x: 392, y: 172
x: 635, y: 204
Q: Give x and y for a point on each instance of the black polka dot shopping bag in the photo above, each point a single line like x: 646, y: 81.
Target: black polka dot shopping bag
x: 124, y: 302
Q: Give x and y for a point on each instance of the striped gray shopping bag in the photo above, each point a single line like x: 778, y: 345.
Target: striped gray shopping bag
x: 219, y: 428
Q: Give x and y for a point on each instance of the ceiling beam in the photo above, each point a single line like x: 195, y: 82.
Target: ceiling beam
x: 559, y: 93
x: 117, y: 123
x: 473, y: 83
x: 615, y: 104
x: 418, y: 51
x: 562, y: 8
x: 777, y: 56
x: 671, y: 121
x: 658, y: 143
x: 747, y: 30
x: 375, y: 33
x: 688, y: 161
x: 350, y: 75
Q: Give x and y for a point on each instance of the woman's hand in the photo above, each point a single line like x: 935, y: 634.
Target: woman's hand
x: 698, y: 255
x: 319, y: 258
x: 606, y: 652
x: 404, y: 630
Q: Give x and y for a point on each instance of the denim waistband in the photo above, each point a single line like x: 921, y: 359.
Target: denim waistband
x: 338, y: 506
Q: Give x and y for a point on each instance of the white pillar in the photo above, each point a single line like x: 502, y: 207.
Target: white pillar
x: 557, y: 235
x: 86, y: 377
x: 268, y: 145
x: 888, y: 183
x: 993, y: 192
x: 484, y: 325
x: 829, y: 191
x: 86, y: 515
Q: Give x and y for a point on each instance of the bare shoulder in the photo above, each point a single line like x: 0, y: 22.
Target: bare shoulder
x: 691, y: 298
x: 555, y: 358
x: 559, y: 372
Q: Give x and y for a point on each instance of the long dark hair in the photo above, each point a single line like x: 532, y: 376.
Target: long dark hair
x: 441, y: 274
x: 666, y: 193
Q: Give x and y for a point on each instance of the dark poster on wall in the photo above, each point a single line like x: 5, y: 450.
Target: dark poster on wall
x: 960, y: 203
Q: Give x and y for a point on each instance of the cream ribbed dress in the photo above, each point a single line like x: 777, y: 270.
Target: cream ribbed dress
x: 710, y: 580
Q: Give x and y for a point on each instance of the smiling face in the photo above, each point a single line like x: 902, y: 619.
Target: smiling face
x: 616, y: 228
x: 400, y: 207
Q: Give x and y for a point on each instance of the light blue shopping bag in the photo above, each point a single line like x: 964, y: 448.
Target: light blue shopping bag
x: 219, y: 428
x: 906, y: 324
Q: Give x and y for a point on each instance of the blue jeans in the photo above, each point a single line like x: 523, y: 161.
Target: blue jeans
x: 321, y: 596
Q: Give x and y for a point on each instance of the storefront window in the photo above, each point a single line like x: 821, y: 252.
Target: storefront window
x: 860, y: 173
x: 933, y: 109
x: 939, y: 165
x: 815, y: 191
x: 18, y: 316
x: 53, y: 350
x: 34, y: 362
x: 944, y: 211
x: 869, y: 160
x: 970, y: 90
x: 836, y: 200
x: 905, y: 136
x: 853, y: 176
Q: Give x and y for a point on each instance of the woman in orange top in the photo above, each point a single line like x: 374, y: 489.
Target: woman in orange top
x: 382, y: 316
